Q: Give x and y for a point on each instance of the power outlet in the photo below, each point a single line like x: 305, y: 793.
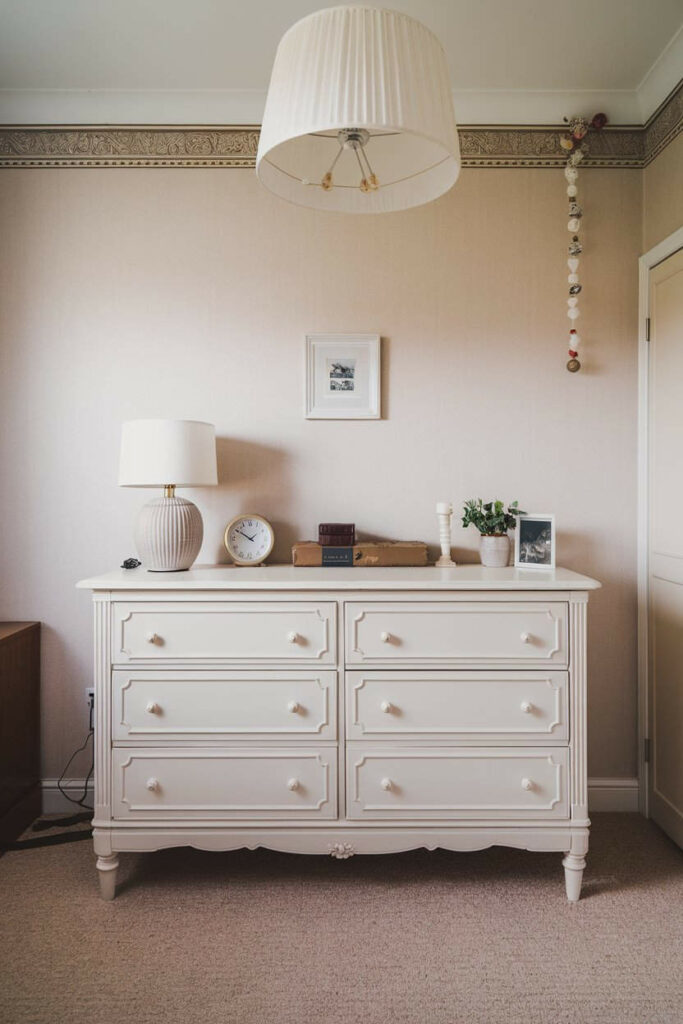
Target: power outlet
x: 90, y: 701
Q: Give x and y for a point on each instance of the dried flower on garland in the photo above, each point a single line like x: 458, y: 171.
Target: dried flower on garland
x: 573, y: 141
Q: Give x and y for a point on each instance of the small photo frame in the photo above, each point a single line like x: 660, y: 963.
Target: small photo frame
x: 535, y: 541
x: 342, y: 376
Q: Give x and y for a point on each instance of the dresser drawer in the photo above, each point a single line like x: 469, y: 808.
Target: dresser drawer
x: 230, y: 631
x: 512, y: 633
x: 443, y: 783
x: 220, y: 784
x: 476, y: 706
x: 170, y: 704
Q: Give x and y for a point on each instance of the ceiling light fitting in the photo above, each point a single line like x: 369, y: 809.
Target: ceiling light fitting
x: 359, y: 114
x: 355, y: 139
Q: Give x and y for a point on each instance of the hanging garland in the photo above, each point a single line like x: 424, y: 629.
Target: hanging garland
x: 574, y: 141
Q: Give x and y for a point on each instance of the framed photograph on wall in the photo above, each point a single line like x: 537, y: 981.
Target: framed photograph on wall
x: 343, y: 377
x: 535, y: 541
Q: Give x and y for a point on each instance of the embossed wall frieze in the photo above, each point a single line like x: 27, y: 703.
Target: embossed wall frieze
x: 128, y: 147
x: 664, y: 125
x: 539, y: 147
x: 235, y: 146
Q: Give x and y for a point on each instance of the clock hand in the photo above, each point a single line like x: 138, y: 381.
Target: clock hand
x: 245, y: 535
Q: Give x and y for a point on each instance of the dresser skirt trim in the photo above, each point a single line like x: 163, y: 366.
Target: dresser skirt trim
x: 363, y: 839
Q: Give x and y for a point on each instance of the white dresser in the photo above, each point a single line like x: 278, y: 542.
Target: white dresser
x: 340, y: 711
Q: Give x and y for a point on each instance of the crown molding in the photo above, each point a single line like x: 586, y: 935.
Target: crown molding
x: 662, y: 79
x: 169, y: 107
x: 235, y: 146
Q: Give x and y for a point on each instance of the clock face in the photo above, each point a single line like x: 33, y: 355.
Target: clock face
x: 249, y: 539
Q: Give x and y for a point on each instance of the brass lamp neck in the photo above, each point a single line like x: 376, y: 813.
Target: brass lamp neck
x: 169, y: 490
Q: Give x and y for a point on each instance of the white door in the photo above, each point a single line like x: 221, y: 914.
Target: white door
x: 665, y: 555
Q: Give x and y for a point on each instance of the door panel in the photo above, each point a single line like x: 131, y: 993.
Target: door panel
x: 666, y: 766
x: 665, y: 554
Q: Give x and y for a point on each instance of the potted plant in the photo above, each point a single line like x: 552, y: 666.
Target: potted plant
x: 493, y: 521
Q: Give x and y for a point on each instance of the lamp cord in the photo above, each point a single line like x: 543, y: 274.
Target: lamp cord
x: 81, y: 801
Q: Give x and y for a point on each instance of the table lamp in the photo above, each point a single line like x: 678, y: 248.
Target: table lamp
x: 168, y: 454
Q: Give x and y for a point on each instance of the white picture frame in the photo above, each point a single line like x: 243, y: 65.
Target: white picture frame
x: 533, y: 548
x: 343, y: 377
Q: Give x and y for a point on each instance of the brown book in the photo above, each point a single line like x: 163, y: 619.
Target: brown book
x: 336, y: 540
x: 337, y: 528
x: 381, y: 555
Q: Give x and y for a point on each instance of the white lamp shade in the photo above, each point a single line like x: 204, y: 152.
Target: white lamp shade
x: 155, y: 453
x: 359, y: 67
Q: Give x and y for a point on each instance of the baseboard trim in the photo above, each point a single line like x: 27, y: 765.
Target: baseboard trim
x: 603, y: 795
x: 613, y: 794
x: 55, y: 802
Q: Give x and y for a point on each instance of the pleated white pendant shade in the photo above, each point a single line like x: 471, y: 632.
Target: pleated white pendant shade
x: 359, y: 115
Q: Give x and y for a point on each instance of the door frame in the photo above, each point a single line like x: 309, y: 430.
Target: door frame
x: 646, y: 263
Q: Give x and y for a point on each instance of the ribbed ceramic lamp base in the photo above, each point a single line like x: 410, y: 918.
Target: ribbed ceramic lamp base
x: 168, y: 534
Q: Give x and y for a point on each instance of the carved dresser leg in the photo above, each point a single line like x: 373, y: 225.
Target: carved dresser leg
x: 574, y: 864
x: 106, y: 867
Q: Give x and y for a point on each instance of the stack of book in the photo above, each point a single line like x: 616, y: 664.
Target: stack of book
x: 337, y: 546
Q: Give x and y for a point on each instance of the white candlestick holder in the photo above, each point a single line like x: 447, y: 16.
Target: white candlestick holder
x: 444, y: 511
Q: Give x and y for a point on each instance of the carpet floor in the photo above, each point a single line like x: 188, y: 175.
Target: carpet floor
x: 416, y: 938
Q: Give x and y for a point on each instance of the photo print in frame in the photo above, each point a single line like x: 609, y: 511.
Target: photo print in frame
x: 343, y: 377
x: 535, y: 541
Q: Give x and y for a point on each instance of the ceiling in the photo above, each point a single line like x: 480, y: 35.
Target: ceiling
x: 208, y: 61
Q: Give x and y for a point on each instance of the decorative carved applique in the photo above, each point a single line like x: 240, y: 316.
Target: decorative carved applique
x: 341, y: 851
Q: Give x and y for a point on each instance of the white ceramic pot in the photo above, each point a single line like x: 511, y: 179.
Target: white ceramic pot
x: 494, y: 551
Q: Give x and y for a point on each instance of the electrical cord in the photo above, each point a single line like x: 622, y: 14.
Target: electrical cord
x: 81, y: 802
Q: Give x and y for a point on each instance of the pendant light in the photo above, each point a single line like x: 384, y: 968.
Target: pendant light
x: 359, y: 114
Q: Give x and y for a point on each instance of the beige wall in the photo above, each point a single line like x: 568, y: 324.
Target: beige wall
x: 663, y: 194
x: 187, y: 293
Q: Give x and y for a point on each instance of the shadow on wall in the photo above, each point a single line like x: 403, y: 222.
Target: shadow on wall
x: 257, y: 473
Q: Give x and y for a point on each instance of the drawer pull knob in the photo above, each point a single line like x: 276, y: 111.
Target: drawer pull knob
x: 293, y: 706
x: 526, y: 638
x: 387, y: 784
x: 293, y: 637
x: 292, y: 784
x: 152, y: 708
x: 527, y: 784
x: 387, y: 707
x: 527, y: 707
x: 152, y: 638
x: 152, y: 785
x: 385, y: 637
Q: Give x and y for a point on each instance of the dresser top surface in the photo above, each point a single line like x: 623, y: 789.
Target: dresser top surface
x: 10, y: 629
x: 288, y: 577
